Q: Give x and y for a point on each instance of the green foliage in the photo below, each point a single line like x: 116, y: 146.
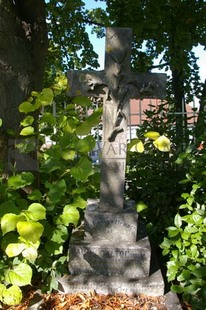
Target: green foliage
x: 36, y: 222
x: 186, y: 238
x: 153, y: 175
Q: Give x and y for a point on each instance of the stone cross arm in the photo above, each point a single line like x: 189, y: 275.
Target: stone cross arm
x: 137, y: 85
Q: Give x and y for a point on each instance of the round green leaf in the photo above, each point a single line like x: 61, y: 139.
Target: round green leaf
x: 28, y: 120
x: 9, y: 222
x: 153, y: 135
x: 70, y: 216
x: 26, y: 107
x: 30, y: 231
x: 82, y: 170
x: 36, y: 212
x: 82, y: 101
x: 140, y: 206
x: 21, y: 275
x: 162, y: 144
x: 14, y: 249
x: 12, y: 296
x: 20, y: 180
x: 27, y: 131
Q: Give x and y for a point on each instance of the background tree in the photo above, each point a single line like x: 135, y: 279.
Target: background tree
x: 169, y: 29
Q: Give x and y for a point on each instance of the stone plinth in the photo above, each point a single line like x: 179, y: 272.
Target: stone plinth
x: 101, y: 257
x: 118, y: 226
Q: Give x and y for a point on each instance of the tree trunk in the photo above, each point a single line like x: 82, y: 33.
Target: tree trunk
x: 23, y: 46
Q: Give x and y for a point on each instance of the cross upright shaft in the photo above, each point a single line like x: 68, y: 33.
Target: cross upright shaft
x: 117, y: 85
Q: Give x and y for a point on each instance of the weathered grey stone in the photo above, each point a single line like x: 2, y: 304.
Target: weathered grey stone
x: 119, y: 226
x: 109, y: 258
x: 115, y: 254
x: 116, y: 85
x: 151, y: 286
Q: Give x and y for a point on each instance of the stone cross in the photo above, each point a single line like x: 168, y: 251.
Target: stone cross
x: 116, y: 85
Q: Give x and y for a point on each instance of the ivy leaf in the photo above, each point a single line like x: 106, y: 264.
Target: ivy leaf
x: 26, y: 107
x: 36, y: 212
x: 12, y: 296
x: 9, y: 222
x: 162, y: 144
x: 8, y: 207
x: 14, y: 249
x: 48, y: 118
x: 21, y: 275
x: 82, y: 101
x: 153, y: 135
x: 30, y: 231
x: 30, y: 253
x: 46, y: 96
x: 141, y: 206
x: 82, y: 170
x: 20, y: 180
x: 28, y: 120
x: 27, y: 131
x: 70, y: 216
x: 136, y: 145
x: 35, y: 195
x: 86, y: 144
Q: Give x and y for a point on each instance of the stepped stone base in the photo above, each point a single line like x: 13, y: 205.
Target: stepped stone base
x: 151, y: 286
x: 107, y: 258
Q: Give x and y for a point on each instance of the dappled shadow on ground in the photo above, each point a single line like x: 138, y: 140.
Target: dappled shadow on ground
x: 91, y: 301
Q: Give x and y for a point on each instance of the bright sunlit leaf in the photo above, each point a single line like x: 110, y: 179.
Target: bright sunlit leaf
x: 153, y: 135
x: 162, y: 144
x: 136, y: 146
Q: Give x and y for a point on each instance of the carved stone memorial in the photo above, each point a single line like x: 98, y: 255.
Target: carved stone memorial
x: 115, y: 255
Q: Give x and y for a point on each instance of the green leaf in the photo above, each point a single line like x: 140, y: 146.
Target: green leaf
x: 14, y: 249
x: 48, y: 118
x: 141, y: 206
x: 60, y: 234
x: 26, y: 107
x: 20, y: 180
x: 28, y: 120
x: 70, y: 216
x: 79, y: 202
x: 9, y: 222
x: 82, y: 170
x: 178, y: 221
x: 173, y: 231
x: 57, y: 191
x: 1, y: 122
x: 12, y: 296
x: 2, y: 288
x: 162, y: 144
x: 36, y: 212
x: 8, y: 207
x: 153, y: 135
x: 35, y: 195
x: 86, y: 144
x: 30, y: 231
x: 136, y: 145
x: 20, y: 275
x: 46, y: 96
x: 30, y: 253
x: 82, y: 101
x: 93, y: 120
x: 27, y: 131
x: 68, y: 154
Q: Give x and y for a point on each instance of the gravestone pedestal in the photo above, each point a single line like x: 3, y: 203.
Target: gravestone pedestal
x: 115, y: 256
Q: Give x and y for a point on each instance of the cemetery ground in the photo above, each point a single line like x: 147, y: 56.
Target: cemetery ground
x: 92, y: 301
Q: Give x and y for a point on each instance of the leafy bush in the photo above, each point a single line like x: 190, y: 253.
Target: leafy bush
x: 153, y: 174
x: 185, y: 244
x: 39, y: 209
